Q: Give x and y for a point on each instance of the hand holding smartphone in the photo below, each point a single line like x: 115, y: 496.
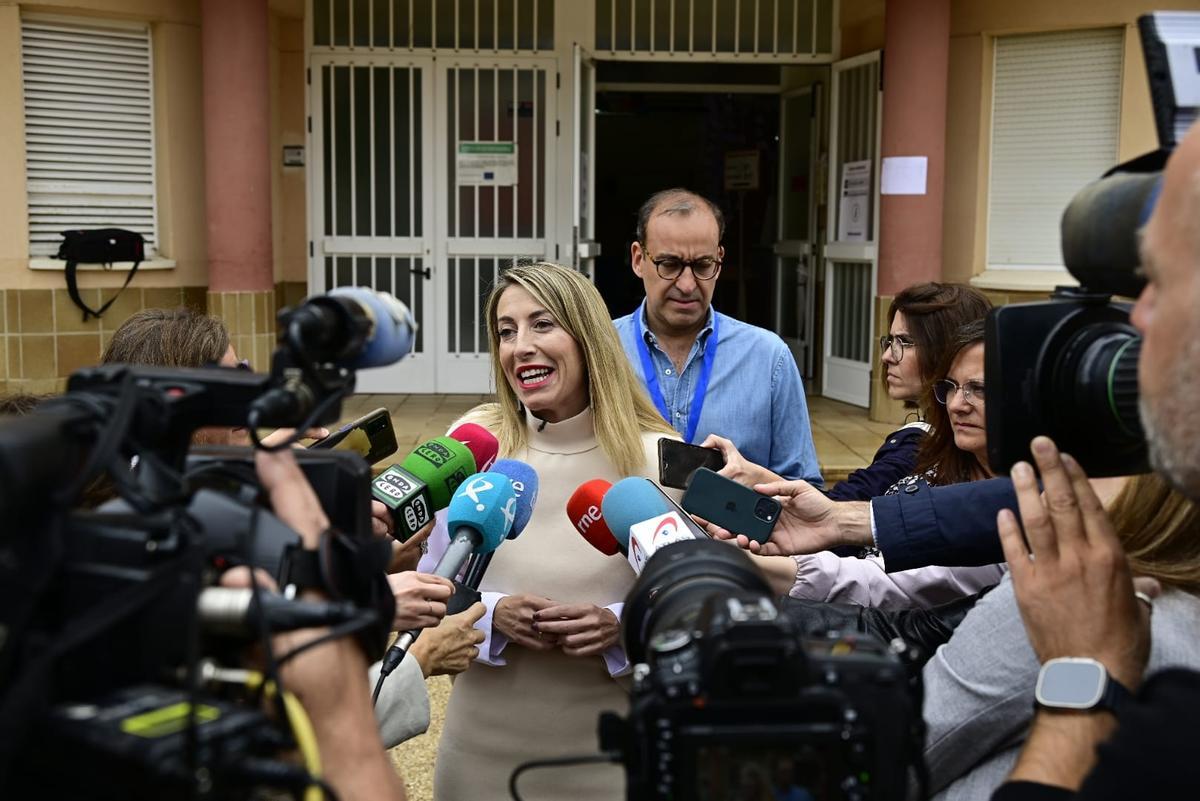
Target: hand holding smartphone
x: 678, y: 461
x: 371, y: 436
x: 730, y: 505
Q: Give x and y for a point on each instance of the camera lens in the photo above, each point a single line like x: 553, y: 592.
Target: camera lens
x: 764, y: 509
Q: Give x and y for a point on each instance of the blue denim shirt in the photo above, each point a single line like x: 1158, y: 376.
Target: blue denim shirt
x: 755, y: 396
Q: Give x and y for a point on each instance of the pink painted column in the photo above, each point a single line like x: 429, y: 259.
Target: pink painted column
x: 915, y: 66
x: 237, y: 166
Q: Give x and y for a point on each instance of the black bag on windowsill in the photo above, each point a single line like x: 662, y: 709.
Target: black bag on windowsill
x: 99, y: 246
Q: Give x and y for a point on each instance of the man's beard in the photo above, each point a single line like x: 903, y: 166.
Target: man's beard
x: 1172, y: 425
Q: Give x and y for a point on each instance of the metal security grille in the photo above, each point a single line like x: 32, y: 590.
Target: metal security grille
x: 784, y: 30
x: 475, y: 25
x: 488, y: 227
x: 857, y: 120
x: 372, y: 168
x: 89, y: 129
x: 851, y: 310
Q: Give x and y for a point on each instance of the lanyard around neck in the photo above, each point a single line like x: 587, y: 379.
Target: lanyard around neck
x: 650, y: 374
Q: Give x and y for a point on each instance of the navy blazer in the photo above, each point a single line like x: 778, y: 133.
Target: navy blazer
x: 894, y: 460
x: 954, y: 525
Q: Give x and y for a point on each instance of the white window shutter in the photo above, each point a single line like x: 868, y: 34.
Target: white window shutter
x: 1056, y: 110
x: 89, y: 129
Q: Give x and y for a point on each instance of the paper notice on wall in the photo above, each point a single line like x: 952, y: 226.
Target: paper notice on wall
x: 486, y: 164
x: 903, y: 175
x: 854, y: 208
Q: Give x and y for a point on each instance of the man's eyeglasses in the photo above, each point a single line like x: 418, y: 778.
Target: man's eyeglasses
x: 944, y: 390
x: 669, y: 268
x: 897, y: 344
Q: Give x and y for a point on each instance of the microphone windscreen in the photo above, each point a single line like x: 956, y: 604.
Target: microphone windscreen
x: 393, y: 330
x: 583, y: 507
x: 487, y: 503
x: 525, y: 484
x: 482, y: 444
x: 442, y: 463
x: 630, y: 501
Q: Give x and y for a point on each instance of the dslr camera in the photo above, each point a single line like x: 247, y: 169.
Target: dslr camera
x: 732, y: 699
x: 1067, y: 368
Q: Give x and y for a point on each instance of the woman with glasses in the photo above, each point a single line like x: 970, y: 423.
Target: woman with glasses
x: 922, y: 320
x: 954, y: 451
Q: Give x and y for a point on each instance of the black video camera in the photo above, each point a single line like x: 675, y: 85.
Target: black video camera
x: 1067, y: 368
x: 730, y: 700
x: 118, y: 652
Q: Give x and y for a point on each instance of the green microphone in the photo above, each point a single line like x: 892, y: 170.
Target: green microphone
x: 423, y: 483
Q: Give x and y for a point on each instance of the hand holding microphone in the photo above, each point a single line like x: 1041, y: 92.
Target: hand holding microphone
x: 420, y: 599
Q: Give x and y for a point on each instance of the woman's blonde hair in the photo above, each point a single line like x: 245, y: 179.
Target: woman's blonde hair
x: 1160, y: 530
x: 620, y: 407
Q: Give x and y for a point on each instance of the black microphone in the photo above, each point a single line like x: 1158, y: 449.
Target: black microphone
x: 225, y: 610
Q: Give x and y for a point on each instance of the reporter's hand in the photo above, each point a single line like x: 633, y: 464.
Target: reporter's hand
x: 449, y: 648
x: 292, y: 498
x: 381, y: 520
x: 407, y: 555
x: 513, y: 617
x: 738, y: 467
x: 809, y: 522
x: 1072, y: 581
x: 284, y: 434
x: 420, y: 599
x: 580, y: 629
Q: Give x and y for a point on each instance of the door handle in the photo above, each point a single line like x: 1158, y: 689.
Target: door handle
x: 427, y: 272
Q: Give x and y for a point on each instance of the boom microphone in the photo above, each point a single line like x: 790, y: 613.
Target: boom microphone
x: 642, y: 520
x: 584, y: 509
x: 391, y: 326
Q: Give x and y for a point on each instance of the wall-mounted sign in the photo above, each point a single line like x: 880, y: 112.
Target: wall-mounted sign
x: 293, y: 155
x: 486, y: 164
x: 854, y: 208
x: 741, y: 170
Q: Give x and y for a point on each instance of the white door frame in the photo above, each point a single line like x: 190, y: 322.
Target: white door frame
x: 415, y: 373
x: 584, y: 247
x: 803, y: 250
x: 844, y: 379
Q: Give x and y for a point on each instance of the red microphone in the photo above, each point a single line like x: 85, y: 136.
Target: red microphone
x: 584, y: 510
x: 482, y: 444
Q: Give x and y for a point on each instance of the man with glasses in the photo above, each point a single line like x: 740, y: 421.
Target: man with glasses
x: 705, y: 371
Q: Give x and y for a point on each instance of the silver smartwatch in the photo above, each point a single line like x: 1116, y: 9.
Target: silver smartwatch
x: 1080, y: 684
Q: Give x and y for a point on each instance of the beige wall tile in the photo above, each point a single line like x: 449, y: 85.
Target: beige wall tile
x: 162, y: 297
x: 4, y: 374
x: 69, y: 318
x: 12, y: 315
x: 128, y: 302
x: 195, y: 297
x: 37, y: 311
x: 261, y: 317
x: 76, y: 351
x: 245, y: 317
x: 105, y: 338
x: 14, y: 357
x: 38, y: 356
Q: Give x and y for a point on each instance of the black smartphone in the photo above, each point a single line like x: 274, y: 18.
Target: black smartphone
x: 370, y: 436
x: 691, y: 524
x: 677, y: 461
x: 730, y: 505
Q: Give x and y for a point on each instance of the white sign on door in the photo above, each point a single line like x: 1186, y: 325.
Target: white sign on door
x: 486, y: 164
x: 855, y: 199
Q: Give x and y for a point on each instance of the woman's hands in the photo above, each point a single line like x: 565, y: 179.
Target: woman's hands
x: 579, y: 629
x: 513, y: 617
x: 738, y: 467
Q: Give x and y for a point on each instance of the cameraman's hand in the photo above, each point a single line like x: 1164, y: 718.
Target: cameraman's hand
x: 513, y: 617
x: 738, y: 467
x: 1072, y: 582
x: 808, y: 523
x: 420, y: 599
x: 284, y: 434
x: 450, y: 647
x: 292, y: 498
x: 581, y: 629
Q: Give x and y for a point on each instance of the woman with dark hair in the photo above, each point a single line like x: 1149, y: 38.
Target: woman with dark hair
x: 922, y: 322
x: 954, y: 452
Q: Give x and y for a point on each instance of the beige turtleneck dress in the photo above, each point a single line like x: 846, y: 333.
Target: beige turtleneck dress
x: 542, y: 704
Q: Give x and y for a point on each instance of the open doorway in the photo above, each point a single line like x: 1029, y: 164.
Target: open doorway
x: 652, y: 140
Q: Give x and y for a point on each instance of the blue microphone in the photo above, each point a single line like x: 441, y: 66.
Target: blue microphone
x: 480, y: 515
x: 631, y: 501
x: 392, y: 328
x: 524, y: 480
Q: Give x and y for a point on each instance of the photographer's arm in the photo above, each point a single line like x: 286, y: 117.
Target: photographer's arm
x: 330, y: 680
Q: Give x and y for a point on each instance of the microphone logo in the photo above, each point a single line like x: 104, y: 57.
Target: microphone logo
x: 435, y: 453
x: 473, y: 489
x: 510, y: 510
x: 591, y: 515
x: 666, y: 527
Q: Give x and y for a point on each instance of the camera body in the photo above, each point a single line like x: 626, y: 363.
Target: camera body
x: 729, y: 696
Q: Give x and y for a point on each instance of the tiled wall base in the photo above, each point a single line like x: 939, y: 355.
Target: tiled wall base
x: 250, y: 318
